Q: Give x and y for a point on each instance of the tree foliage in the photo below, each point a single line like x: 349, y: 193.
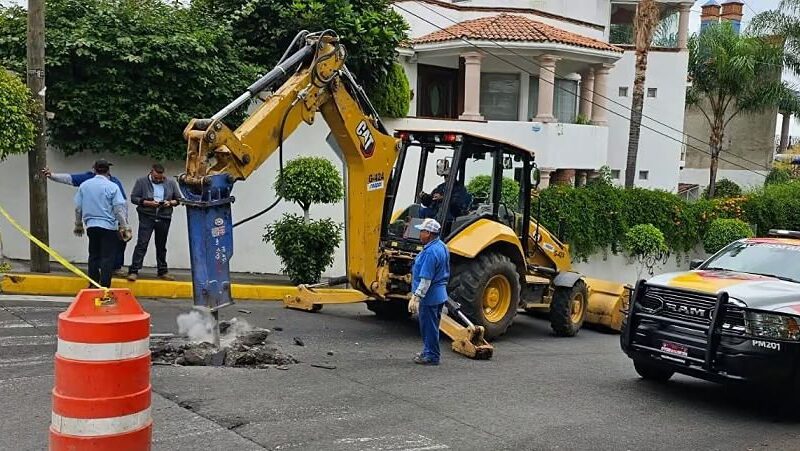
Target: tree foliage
x: 722, y: 232
x: 17, y: 126
x: 370, y: 30
x: 126, y: 76
x: 481, y: 185
x: 310, y: 180
x: 725, y: 188
x: 732, y: 74
x: 393, y: 99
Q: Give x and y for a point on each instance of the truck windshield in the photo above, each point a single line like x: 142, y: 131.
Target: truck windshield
x: 764, y: 258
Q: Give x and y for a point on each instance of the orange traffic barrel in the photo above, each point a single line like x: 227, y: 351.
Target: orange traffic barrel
x: 101, y: 398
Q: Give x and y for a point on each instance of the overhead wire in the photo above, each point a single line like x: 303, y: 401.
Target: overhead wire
x: 593, y: 102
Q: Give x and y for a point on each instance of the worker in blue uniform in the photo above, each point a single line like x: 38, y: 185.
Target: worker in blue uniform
x: 429, y: 277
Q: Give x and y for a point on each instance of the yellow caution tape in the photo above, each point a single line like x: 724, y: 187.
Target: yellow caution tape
x: 50, y: 251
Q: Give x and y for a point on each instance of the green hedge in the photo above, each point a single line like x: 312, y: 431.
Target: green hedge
x: 722, y: 232
x: 595, y: 218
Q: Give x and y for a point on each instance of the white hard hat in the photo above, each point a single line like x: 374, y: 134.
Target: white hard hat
x: 429, y: 224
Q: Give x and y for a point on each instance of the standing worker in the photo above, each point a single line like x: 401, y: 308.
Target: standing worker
x: 76, y: 179
x: 154, y: 196
x: 99, y: 206
x: 429, y: 277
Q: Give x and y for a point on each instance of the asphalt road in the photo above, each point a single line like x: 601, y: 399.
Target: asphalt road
x: 539, y: 392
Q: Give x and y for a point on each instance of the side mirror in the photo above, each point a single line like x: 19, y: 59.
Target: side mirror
x: 695, y: 263
x: 442, y: 167
x: 508, y: 162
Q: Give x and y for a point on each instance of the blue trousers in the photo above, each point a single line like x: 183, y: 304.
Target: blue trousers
x: 429, y: 317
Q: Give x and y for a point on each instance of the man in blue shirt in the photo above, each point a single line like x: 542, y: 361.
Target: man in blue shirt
x: 77, y: 179
x: 429, y: 277
x: 100, y: 207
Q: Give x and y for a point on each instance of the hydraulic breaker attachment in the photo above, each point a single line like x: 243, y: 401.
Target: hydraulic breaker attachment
x: 606, y: 303
x: 208, y: 211
x: 468, y: 338
x: 310, y: 298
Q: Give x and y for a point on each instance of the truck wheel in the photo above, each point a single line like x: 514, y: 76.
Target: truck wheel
x: 488, y: 290
x: 568, y: 309
x: 650, y: 372
x: 394, y: 309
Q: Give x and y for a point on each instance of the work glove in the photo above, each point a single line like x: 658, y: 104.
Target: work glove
x: 78, y: 230
x: 125, y: 234
x: 413, y: 305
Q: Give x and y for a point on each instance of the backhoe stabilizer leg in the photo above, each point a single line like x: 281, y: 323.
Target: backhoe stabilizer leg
x: 312, y: 299
x: 468, y: 339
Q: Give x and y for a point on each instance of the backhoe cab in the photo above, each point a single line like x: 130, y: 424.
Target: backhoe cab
x: 501, y: 260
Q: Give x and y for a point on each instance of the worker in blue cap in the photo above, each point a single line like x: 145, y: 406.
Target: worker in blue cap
x: 429, y: 277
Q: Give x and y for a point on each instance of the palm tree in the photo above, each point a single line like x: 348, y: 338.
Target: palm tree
x: 647, y: 16
x: 783, y: 22
x: 732, y: 74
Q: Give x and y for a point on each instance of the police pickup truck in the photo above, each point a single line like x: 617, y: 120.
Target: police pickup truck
x: 733, y: 318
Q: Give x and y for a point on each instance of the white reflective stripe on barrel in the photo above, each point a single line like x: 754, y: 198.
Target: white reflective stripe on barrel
x: 103, y: 351
x: 91, y: 427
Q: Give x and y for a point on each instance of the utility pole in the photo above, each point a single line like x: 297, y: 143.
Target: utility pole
x: 37, y: 157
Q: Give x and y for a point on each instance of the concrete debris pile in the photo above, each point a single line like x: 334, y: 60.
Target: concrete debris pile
x: 240, y: 346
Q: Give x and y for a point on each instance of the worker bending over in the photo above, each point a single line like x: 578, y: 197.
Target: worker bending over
x: 429, y: 277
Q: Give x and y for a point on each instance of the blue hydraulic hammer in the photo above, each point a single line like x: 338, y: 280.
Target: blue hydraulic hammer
x: 208, y: 212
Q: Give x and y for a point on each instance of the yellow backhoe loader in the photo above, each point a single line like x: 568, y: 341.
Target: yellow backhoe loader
x: 503, y: 261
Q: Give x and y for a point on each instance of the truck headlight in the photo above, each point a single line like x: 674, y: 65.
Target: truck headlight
x: 772, y: 325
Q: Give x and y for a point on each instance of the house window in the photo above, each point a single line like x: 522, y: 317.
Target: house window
x: 652, y: 92
x: 615, y: 174
x: 437, y: 92
x: 500, y: 96
x: 644, y: 175
x: 623, y: 91
x: 565, y: 100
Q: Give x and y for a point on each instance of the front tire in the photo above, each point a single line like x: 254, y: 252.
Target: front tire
x: 650, y: 372
x: 488, y: 289
x: 568, y: 309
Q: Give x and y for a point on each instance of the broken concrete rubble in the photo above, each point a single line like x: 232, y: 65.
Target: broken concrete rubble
x: 241, y: 347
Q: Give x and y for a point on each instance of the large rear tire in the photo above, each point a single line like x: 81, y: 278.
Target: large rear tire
x: 488, y: 289
x: 568, y: 309
x: 650, y: 372
x: 394, y: 309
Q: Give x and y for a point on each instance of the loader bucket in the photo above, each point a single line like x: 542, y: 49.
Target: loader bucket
x: 606, y: 302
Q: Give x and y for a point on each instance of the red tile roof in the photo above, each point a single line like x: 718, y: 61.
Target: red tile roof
x: 510, y: 27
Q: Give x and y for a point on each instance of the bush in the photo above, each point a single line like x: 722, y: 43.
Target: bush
x: 17, y: 126
x: 393, y: 99
x: 481, y: 186
x: 126, y: 76
x: 722, y: 232
x: 774, y: 207
x: 305, y: 248
x: 645, y: 244
x: 725, y: 188
x: 778, y: 176
x: 310, y: 180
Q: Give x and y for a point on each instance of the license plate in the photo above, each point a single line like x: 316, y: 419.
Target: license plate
x: 674, y: 348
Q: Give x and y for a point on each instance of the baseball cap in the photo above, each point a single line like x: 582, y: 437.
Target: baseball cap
x: 429, y: 224
x: 102, y: 163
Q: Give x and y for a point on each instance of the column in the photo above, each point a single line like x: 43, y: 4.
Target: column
x: 544, y: 177
x: 524, y: 93
x: 683, y: 25
x: 587, y: 93
x: 600, y: 108
x: 472, y: 87
x: 547, y: 79
x: 787, y: 118
x: 580, y: 178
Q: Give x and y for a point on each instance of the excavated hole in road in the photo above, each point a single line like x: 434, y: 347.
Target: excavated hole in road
x: 241, y: 345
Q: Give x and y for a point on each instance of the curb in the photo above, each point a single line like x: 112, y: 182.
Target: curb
x: 52, y: 285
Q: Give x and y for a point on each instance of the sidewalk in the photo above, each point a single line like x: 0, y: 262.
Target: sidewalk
x: 60, y: 282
